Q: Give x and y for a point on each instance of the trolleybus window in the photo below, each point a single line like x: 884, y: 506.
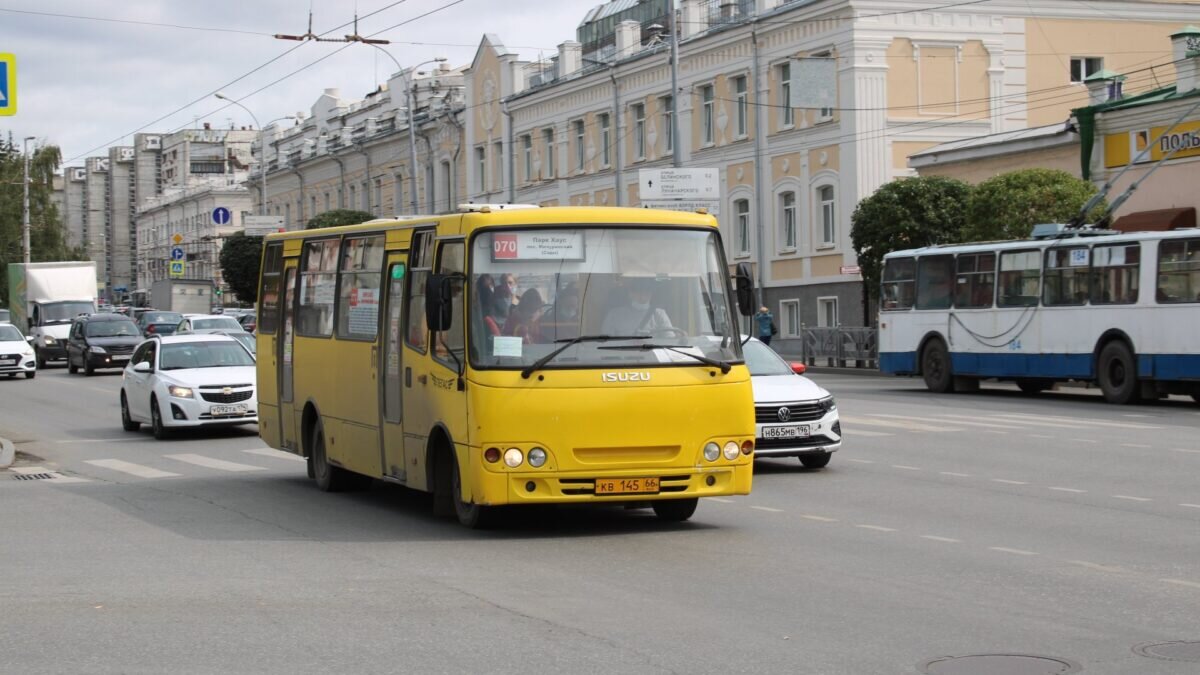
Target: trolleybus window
x: 1066, y: 280
x: 358, y: 296
x: 1179, y: 271
x: 1020, y: 276
x: 934, y: 276
x: 898, y: 283
x: 976, y: 280
x: 268, y: 295
x: 318, y: 286
x: 1115, y: 274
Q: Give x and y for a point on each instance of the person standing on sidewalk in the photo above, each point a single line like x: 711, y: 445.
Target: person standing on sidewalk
x: 764, y: 325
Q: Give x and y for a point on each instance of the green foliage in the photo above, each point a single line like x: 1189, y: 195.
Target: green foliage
x: 241, y: 257
x: 338, y: 217
x: 1009, y: 205
x: 46, y: 240
x: 907, y: 213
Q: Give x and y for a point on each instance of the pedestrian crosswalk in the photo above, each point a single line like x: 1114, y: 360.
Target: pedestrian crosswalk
x: 172, y: 466
x: 868, y: 425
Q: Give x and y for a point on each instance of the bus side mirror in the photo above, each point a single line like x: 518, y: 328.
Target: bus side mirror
x: 438, y: 302
x: 745, y: 289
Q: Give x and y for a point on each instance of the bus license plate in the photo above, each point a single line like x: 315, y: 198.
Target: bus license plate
x: 626, y: 486
x: 796, y: 431
x: 220, y: 410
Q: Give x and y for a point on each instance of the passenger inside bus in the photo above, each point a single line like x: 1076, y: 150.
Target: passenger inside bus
x: 639, y: 316
x: 523, y: 319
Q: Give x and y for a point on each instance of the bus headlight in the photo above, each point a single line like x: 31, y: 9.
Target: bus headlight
x: 513, y: 457
x: 712, y: 451
x: 732, y: 450
x: 537, y: 457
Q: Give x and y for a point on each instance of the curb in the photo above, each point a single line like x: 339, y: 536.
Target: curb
x: 7, y: 453
x: 832, y: 370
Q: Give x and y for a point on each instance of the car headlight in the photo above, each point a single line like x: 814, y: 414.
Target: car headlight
x: 513, y: 457
x: 47, y: 340
x: 27, y: 352
x: 96, y: 349
x: 827, y: 404
x: 179, y: 392
x: 537, y: 457
x: 712, y: 451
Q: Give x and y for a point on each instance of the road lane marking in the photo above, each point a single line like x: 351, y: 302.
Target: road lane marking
x: 1014, y: 551
x: 1084, y: 422
x: 860, y: 461
x: 1082, y: 440
x: 865, y: 434
x: 1009, y: 482
x: 209, y: 462
x: 906, y: 467
x: 1039, y: 436
x: 75, y: 441
x: 1195, y: 452
x: 1133, y: 499
x: 1191, y: 506
x: 1096, y: 566
x: 721, y: 500
x: 947, y: 540
x: 130, y: 468
x: 1181, y: 582
x: 1067, y: 489
x: 876, y: 528
x: 819, y: 519
x: 961, y: 420
x: 1135, y: 445
x: 896, y: 424
x: 767, y: 509
x: 956, y: 475
x: 277, y: 454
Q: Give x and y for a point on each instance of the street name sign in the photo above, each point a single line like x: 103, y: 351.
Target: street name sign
x: 8, y: 84
x: 693, y: 184
x: 261, y: 226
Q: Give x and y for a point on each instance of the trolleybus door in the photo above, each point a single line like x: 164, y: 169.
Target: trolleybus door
x: 391, y: 369
x: 288, y: 432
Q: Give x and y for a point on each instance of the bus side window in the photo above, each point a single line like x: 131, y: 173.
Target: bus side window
x: 1178, y: 271
x: 896, y: 292
x: 1115, y: 272
x: 420, y: 263
x: 1066, y: 279
x: 1020, y: 278
x: 976, y: 282
x: 934, y: 276
x: 450, y: 261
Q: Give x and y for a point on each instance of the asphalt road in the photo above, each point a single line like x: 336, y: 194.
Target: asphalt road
x: 990, y: 523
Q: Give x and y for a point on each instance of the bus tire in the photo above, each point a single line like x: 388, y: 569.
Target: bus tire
x: 331, y: 478
x: 1032, y: 386
x: 935, y: 367
x: 674, y: 510
x: 469, y: 514
x: 1116, y: 371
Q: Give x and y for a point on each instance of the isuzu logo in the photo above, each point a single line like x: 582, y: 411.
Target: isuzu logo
x: 784, y: 414
x: 636, y: 376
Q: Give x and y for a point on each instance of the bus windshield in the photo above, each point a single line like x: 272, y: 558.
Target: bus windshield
x: 662, y: 291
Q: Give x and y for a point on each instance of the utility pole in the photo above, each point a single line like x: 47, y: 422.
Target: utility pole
x: 673, y: 27
x: 25, y: 202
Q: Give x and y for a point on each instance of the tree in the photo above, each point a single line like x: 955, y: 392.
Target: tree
x: 338, y: 217
x: 1009, y: 205
x: 241, y: 257
x: 906, y: 213
x: 46, y: 241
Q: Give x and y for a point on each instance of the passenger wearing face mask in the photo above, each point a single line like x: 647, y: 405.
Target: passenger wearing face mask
x: 639, y: 317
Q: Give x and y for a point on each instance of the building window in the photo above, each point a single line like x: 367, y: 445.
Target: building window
x: 825, y: 197
x: 312, y: 205
x: 1083, y: 67
x: 787, y: 220
x: 824, y: 114
x: 527, y: 153
x: 638, y: 111
x: 481, y: 169
x: 787, y: 116
x: 827, y: 312
x: 667, y: 104
x: 366, y: 196
x: 740, y: 94
x: 498, y: 164
x: 706, y: 114
x: 353, y: 196
x: 741, y: 212
x: 548, y: 143
x: 326, y: 201
x: 398, y: 195
x: 605, y: 138
x: 790, y: 310
x: 580, y: 145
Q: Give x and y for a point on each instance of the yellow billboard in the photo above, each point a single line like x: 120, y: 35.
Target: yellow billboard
x: 1184, y: 140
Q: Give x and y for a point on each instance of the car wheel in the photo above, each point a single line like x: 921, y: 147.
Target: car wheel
x: 332, y: 478
x: 156, y: 422
x: 88, y: 370
x: 474, y: 516
x: 30, y: 375
x: 41, y: 362
x: 1117, y: 372
x: 816, y: 461
x: 674, y: 510
x: 935, y: 367
x: 71, y: 367
x: 127, y: 422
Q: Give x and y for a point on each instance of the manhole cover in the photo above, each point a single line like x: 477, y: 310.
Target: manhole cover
x: 1170, y: 651
x: 999, y: 664
x: 34, y: 476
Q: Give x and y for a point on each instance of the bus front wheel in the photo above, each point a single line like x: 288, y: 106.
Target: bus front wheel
x: 1117, y: 373
x: 675, y: 510
x: 474, y: 516
x: 935, y: 367
x: 331, y: 478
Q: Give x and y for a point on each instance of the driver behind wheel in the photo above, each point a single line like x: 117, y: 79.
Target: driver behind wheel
x: 640, y: 316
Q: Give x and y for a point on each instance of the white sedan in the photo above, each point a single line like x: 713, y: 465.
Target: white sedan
x: 188, y: 381
x: 793, y: 416
x: 16, y: 355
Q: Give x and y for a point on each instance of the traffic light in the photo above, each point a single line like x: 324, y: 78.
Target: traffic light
x: 218, y: 292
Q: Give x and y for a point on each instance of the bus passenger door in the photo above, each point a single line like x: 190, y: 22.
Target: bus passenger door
x: 288, y: 432
x: 268, y: 338
x: 416, y: 387
x: 391, y: 369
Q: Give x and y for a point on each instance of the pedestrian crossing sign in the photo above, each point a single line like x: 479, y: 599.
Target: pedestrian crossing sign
x: 8, y: 84
x: 177, y: 268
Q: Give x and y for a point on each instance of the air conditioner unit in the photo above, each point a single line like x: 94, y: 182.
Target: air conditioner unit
x: 152, y: 143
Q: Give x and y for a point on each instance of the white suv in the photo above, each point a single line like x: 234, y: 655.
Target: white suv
x: 179, y: 381
x: 793, y: 416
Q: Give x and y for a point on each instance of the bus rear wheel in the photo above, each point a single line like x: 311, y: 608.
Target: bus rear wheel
x: 1117, y: 372
x: 331, y: 478
x: 675, y: 510
x: 935, y: 367
x: 469, y: 514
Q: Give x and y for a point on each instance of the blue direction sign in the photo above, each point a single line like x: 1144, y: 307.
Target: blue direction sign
x: 177, y: 253
x: 221, y: 215
x: 8, y: 84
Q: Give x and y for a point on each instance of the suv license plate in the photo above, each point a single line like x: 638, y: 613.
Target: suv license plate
x: 8, y: 362
x: 626, y: 486
x: 796, y: 431
x: 220, y: 410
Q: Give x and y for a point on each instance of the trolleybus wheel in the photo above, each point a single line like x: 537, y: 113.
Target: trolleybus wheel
x: 474, y: 516
x: 674, y: 510
x: 1117, y: 372
x: 332, y: 478
x: 935, y: 367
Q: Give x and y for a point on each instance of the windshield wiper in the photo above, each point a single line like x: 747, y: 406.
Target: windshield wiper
x: 537, y: 365
x: 723, y: 365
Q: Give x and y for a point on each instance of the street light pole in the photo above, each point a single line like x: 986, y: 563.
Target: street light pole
x: 262, y: 138
x: 25, y: 202
x: 673, y: 26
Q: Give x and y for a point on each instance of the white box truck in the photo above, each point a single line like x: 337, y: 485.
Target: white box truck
x: 45, y: 297
x: 186, y: 296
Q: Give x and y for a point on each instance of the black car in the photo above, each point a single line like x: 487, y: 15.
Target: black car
x: 101, y: 341
x: 154, y: 322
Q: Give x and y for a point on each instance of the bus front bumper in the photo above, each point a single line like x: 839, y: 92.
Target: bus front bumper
x: 531, y: 487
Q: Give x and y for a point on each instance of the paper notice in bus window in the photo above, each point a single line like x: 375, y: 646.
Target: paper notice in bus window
x: 506, y: 346
x: 1079, y: 257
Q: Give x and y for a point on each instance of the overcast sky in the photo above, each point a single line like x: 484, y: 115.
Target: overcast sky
x: 86, y: 84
